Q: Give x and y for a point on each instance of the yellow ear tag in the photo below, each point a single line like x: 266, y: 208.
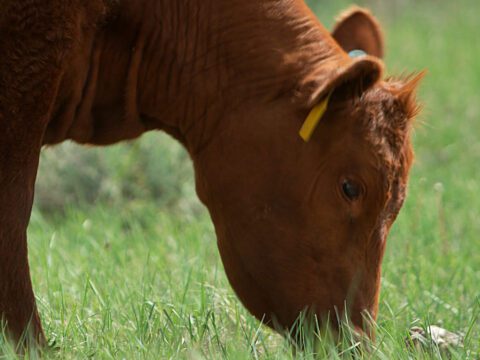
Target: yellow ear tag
x: 314, y: 118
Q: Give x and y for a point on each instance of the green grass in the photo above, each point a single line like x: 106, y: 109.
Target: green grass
x: 138, y: 280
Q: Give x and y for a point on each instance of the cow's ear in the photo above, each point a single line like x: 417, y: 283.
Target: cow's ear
x: 343, y: 75
x: 357, y: 29
x: 340, y: 78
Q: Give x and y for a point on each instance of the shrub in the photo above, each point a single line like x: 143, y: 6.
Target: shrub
x: 154, y: 168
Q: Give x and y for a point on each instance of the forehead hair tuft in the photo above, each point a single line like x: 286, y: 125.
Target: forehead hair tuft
x: 404, y: 88
x: 387, y: 112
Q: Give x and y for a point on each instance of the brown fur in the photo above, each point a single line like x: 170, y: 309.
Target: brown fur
x: 232, y: 81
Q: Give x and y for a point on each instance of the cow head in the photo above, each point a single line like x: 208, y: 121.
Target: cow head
x: 303, y: 224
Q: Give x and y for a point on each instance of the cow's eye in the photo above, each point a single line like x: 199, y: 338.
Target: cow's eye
x: 351, y: 189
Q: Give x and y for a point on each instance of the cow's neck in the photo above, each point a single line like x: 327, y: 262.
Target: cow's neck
x: 211, y: 57
x: 183, y: 66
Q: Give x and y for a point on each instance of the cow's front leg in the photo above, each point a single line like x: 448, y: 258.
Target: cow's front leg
x: 35, y: 42
x: 17, y: 301
x: 22, y: 125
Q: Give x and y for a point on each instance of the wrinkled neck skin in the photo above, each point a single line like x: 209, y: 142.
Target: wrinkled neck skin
x: 183, y: 67
x: 218, y: 76
x: 224, y: 56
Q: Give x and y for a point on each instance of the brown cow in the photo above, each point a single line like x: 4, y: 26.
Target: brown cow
x: 300, y: 224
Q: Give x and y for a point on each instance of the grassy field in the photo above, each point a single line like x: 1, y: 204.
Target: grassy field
x: 131, y: 278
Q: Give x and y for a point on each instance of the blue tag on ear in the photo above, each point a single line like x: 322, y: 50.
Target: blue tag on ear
x: 357, y: 53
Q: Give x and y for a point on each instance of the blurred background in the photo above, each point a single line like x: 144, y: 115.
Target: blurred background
x: 154, y: 169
